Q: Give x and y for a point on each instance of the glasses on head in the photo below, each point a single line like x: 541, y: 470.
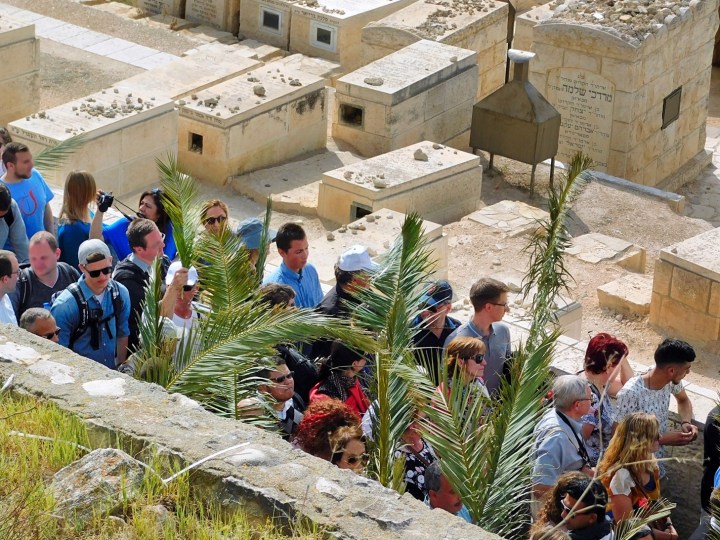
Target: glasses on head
x: 354, y: 460
x: 478, y: 358
x: 282, y: 378
x: 156, y: 191
x: 213, y: 220
x: 96, y: 273
x: 52, y: 334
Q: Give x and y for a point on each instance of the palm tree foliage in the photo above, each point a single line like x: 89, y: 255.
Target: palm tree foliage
x: 51, y: 158
x: 219, y: 359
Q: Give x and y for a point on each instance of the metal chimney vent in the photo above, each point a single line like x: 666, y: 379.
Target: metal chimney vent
x: 516, y: 121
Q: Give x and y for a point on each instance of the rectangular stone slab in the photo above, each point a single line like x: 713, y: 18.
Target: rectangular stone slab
x: 699, y: 254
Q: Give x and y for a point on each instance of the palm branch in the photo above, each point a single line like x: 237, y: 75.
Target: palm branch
x: 386, y: 309
x: 264, y: 242
x: 51, y: 158
x: 180, y: 194
x: 642, y: 517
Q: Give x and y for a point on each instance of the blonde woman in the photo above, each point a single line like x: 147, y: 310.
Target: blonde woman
x: 630, y: 473
x: 75, y: 217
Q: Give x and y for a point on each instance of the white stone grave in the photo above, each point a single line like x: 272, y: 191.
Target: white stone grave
x: 260, y: 119
x: 124, y: 133
x: 267, y: 21
x: 422, y: 92
x: 172, y: 8
x: 632, y: 86
x: 19, y: 71
x: 476, y: 25
x: 514, y: 218
x: 439, y: 183
x: 332, y: 29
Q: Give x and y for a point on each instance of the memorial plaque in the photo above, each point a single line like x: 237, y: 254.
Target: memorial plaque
x: 585, y: 102
x: 174, y: 8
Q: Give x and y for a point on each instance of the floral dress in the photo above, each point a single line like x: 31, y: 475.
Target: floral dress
x: 415, y: 464
x: 600, y: 416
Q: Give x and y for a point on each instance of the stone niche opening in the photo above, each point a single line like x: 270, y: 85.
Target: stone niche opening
x: 611, y: 78
x: 196, y: 143
x: 351, y: 115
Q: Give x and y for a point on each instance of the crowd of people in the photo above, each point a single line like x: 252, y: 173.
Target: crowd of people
x: 598, y: 447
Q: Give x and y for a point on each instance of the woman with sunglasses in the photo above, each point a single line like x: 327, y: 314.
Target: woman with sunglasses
x: 630, y: 473
x: 338, y: 379
x: 150, y: 207
x: 465, y: 358
x: 214, y: 215
x: 331, y: 431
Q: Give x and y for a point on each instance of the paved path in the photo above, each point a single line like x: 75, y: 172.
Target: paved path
x: 88, y: 40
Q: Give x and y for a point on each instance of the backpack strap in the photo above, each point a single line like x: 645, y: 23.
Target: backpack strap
x: 25, y: 287
x: 9, y: 217
x: 83, y: 311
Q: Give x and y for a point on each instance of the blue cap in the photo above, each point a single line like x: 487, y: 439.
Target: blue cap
x: 439, y: 292
x: 250, y: 232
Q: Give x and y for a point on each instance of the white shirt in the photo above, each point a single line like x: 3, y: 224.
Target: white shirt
x: 7, y: 314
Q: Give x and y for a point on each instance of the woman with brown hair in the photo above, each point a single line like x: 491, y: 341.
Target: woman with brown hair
x: 465, y: 358
x: 75, y: 216
x: 630, y: 473
x: 331, y: 431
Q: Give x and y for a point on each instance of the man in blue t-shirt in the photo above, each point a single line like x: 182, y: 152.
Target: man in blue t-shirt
x: 28, y: 189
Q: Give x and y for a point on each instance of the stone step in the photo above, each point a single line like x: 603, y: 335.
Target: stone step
x: 628, y: 295
x: 596, y: 247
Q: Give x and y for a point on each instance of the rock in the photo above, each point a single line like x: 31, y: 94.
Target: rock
x: 619, y: 317
x: 453, y: 59
x: 330, y: 236
x: 259, y: 90
x: 99, y: 483
x: 295, y: 82
x: 379, y: 183
x: 419, y: 155
x: 342, y: 229
x: 374, y: 81
x: 370, y: 218
x: 160, y: 517
x: 347, y: 175
x: 496, y: 262
x: 437, y: 146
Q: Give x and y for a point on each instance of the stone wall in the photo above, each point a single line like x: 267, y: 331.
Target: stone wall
x: 609, y: 81
x: 686, y: 289
x: 19, y: 76
x: 267, y: 477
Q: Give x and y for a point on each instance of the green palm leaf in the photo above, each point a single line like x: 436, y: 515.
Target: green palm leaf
x: 51, y: 158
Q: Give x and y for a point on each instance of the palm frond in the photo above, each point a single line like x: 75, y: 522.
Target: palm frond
x: 642, y: 517
x: 264, y: 242
x: 180, y: 194
x: 51, y: 158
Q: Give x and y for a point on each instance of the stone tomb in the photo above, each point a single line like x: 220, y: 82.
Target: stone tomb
x: 209, y: 65
x: 422, y: 92
x: 260, y: 119
x: 220, y: 14
x: 267, y: 21
x: 632, y: 88
x: 476, y: 25
x: 332, y: 29
x: 686, y: 288
x: 377, y: 231
x: 173, y: 8
x: 124, y: 133
x: 437, y: 182
x: 514, y: 218
x: 19, y: 76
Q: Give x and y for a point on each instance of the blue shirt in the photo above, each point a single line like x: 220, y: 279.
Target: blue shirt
x: 306, y: 284
x: 14, y: 237
x: 31, y: 195
x: 115, y: 236
x: 66, y: 312
x: 497, y: 349
x: 463, y: 513
x: 70, y: 236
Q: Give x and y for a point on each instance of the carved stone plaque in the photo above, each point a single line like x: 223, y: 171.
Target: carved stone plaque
x: 209, y: 12
x: 585, y: 103
x: 174, y: 8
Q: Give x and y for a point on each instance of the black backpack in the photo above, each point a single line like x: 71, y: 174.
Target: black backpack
x: 89, y: 318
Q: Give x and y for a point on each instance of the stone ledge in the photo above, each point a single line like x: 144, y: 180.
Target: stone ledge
x: 267, y: 476
x: 675, y: 202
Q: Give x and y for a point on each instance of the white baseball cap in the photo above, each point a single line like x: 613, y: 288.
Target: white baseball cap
x: 356, y: 258
x: 177, y: 265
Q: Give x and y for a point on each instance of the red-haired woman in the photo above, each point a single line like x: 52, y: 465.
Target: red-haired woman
x: 607, y: 369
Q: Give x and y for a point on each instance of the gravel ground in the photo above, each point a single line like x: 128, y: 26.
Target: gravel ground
x: 108, y: 23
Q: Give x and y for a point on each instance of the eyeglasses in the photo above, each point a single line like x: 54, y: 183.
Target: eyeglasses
x: 437, y: 306
x: 188, y: 288
x: 15, y: 272
x: 354, y: 460
x: 52, y: 334
x: 478, y: 358
x: 213, y: 220
x: 506, y: 304
x: 571, y: 512
x: 96, y: 273
x: 281, y: 379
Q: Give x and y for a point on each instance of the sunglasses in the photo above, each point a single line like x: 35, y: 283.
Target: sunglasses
x: 96, y: 273
x: 213, y: 220
x: 571, y: 512
x: 434, y: 309
x: 283, y: 378
x: 478, y: 358
x: 354, y: 460
x: 52, y: 334
x: 188, y: 288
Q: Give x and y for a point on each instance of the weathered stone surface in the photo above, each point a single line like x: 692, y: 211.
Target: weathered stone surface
x: 265, y: 477
x: 699, y: 254
x: 629, y: 295
x: 515, y: 218
x: 96, y: 484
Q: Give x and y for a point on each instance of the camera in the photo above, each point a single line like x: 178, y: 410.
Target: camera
x: 105, y: 200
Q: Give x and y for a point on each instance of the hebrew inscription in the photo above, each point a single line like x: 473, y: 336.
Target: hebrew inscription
x: 585, y: 103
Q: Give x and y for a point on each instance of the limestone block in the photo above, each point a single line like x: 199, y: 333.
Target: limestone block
x: 634, y: 260
x: 366, y: 144
x: 19, y: 57
x: 676, y: 317
x: 577, y: 59
x: 373, y: 115
x: 697, y: 254
x: 567, y: 36
x: 691, y: 289
x: 407, y: 114
x: 656, y: 301
x: 172, y: 8
x: 490, y: 81
x: 714, y: 305
x: 252, y: 17
x: 456, y: 90
x: 617, y: 163
x: 627, y: 76
x: 514, y: 218
x: 20, y: 97
x: 629, y: 106
x: 629, y: 295
x: 620, y: 139
x: 656, y: 63
x: 596, y: 247
x: 547, y: 57
x: 220, y: 14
